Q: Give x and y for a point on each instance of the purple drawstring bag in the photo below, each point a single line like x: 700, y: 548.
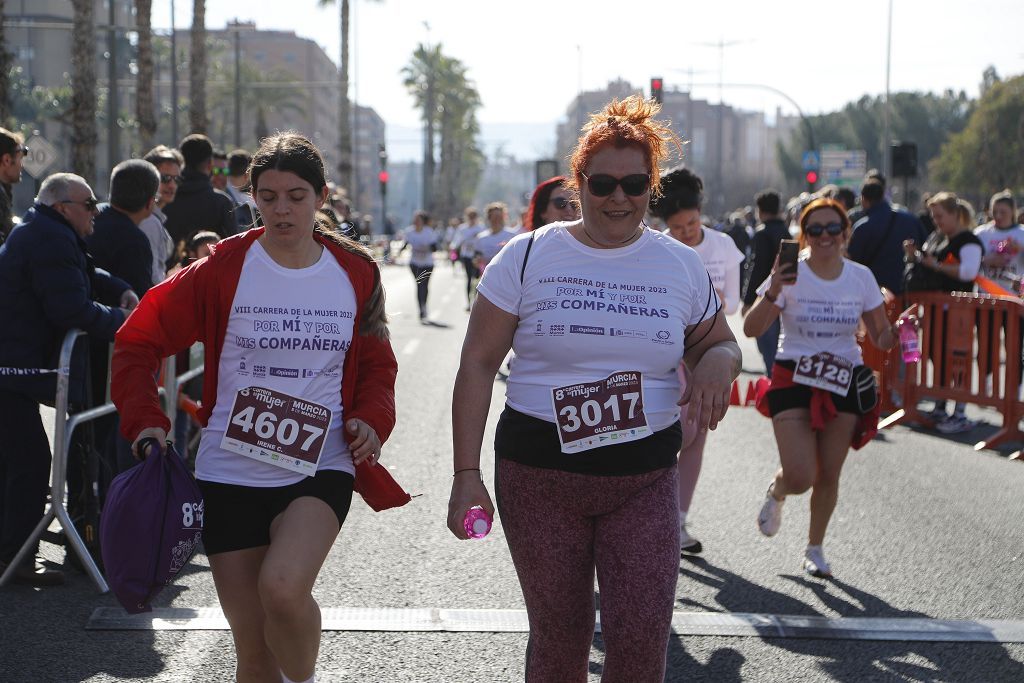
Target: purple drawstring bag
x: 151, y: 523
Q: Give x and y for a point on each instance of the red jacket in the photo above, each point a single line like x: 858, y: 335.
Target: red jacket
x: 195, y: 304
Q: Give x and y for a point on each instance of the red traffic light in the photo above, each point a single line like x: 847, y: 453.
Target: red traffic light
x: 382, y: 176
x: 656, y: 84
x: 812, y: 177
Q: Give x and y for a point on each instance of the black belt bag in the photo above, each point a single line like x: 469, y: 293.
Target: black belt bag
x: 865, y: 389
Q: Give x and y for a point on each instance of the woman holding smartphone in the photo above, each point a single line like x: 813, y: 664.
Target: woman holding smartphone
x: 822, y: 398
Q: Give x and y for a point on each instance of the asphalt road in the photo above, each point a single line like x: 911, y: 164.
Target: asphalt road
x: 925, y: 527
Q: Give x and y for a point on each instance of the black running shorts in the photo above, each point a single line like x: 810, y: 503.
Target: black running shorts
x: 239, y: 517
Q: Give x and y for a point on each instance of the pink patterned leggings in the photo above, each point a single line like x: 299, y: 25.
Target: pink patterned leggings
x: 560, y: 527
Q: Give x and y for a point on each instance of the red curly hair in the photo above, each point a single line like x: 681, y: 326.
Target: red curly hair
x: 817, y: 205
x: 622, y: 124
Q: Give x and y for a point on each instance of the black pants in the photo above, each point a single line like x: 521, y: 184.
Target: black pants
x: 24, y: 471
x: 471, y: 274
x: 422, y: 277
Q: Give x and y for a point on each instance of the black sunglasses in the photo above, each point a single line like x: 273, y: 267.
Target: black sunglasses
x: 90, y: 204
x: 816, y: 230
x: 166, y: 178
x: 561, y: 203
x: 602, y: 185
x: 24, y: 149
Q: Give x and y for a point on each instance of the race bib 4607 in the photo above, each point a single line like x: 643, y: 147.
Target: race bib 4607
x: 277, y: 429
x: 594, y: 414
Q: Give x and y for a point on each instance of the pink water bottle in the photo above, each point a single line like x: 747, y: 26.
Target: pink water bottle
x: 908, y: 343
x: 477, y: 522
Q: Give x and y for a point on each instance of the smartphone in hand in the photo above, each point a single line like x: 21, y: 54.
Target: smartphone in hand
x: 789, y: 252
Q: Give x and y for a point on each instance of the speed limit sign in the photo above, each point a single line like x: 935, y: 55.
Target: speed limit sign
x: 41, y: 155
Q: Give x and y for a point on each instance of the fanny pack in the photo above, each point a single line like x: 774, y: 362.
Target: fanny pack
x: 865, y: 389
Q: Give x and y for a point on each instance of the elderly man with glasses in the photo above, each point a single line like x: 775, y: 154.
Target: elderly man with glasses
x: 48, y: 286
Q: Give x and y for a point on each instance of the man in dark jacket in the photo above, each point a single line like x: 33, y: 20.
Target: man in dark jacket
x: 877, y: 239
x: 117, y: 244
x: 197, y: 206
x: 12, y: 154
x: 763, y: 248
x: 47, y: 287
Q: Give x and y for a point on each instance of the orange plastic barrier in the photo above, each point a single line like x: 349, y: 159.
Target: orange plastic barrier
x: 886, y: 364
x: 970, y: 352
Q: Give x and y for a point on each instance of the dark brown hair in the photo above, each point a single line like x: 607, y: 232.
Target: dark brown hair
x: 294, y: 153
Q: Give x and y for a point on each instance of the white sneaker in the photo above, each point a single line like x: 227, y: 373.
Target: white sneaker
x: 954, y: 424
x: 815, y: 563
x: 770, y: 518
x: 688, y: 544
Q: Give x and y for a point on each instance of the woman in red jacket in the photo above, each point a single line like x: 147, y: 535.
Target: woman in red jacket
x: 299, y: 389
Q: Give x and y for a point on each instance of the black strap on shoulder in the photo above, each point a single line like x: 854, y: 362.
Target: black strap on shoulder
x: 529, y: 246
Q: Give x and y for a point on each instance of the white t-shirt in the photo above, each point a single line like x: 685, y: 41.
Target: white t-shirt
x: 488, y: 244
x: 465, y: 239
x: 586, y: 313
x: 279, y: 315
x: 422, y: 243
x: 160, y: 243
x: 822, y: 315
x: 722, y: 259
x: 1013, y: 239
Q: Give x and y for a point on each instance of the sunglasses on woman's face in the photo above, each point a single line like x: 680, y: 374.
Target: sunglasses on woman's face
x: 833, y: 229
x: 602, y: 185
x: 167, y: 178
x: 561, y: 203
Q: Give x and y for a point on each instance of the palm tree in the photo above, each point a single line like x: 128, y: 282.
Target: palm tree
x: 197, y: 69
x: 83, y: 84
x: 144, y: 80
x: 5, y: 70
x: 420, y: 79
x: 344, y: 104
x: 458, y: 101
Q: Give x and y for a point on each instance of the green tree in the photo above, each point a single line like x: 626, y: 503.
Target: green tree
x: 985, y: 156
x: 5, y: 69
x: 262, y: 91
x: 461, y: 160
x: 83, y: 90
x: 197, y: 69
x: 420, y: 78
x: 344, y: 103
x: 926, y: 119
x: 144, y: 113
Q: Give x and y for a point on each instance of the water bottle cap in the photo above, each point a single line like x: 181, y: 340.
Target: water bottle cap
x: 480, y: 526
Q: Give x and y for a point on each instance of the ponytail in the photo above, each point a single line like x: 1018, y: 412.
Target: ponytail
x: 374, y: 321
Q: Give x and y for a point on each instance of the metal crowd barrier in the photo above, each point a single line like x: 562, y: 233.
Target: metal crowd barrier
x: 970, y: 352
x: 63, y: 429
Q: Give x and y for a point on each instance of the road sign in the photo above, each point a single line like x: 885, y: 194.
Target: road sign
x: 811, y: 160
x: 843, y: 167
x: 41, y: 156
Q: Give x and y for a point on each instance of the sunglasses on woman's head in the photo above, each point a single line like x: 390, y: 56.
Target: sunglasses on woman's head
x: 561, y: 203
x: 816, y: 230
x: 602, y: 184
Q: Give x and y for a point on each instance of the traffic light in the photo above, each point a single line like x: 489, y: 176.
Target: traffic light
x: 812, y: 178
x: 656, y: 84
x: 382, y: 156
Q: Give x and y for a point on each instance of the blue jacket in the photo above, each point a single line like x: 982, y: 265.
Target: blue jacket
x: 47, y: 287
x: 877, y: 242
x: 120, y: 248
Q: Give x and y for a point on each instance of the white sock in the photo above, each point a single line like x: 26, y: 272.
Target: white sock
x: 285, y: 679
x: 814, y: 549
x: 682, y: 518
